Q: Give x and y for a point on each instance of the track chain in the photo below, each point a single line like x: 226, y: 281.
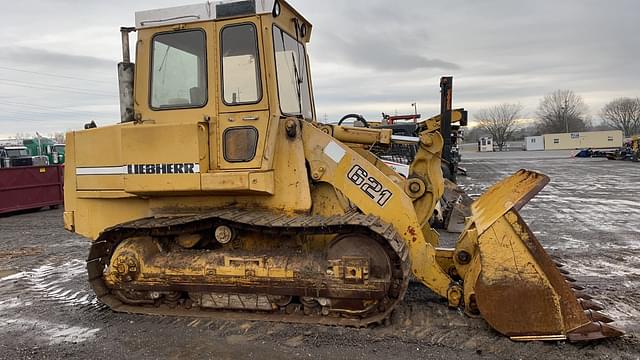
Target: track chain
x: 258, y: 221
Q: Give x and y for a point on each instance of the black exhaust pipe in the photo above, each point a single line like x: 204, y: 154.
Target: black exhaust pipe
x: 126, y: 72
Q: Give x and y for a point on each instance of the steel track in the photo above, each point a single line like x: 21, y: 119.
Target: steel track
x: 257, y: 221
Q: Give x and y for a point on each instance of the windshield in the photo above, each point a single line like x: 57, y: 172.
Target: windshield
x: 178, y: 77
x: 17, y: 152
x: 292, y: 75
x: 59, y: 149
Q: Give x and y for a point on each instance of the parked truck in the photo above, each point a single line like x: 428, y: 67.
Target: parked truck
x: 14, y: 156
x: 45, y: 148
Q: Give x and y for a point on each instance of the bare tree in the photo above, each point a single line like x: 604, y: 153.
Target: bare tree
x: 22, y: 135
x: 473, y: 134
x: 499, y: 121
x: 58, y: 137
x: 623, y: 114
x: 562, y: 111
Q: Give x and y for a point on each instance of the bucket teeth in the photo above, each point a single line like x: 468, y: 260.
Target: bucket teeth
x: 570, y: 279
x: 582, y: 295
x: 558, y: 264
x: 590, y: 305
x: 594, y: 330
x: 597, y: 316
x: 576, y: 286
x: 563, y: 271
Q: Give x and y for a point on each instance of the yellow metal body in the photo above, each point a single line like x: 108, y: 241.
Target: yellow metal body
x: 456, y: 116
x: 117, y: 174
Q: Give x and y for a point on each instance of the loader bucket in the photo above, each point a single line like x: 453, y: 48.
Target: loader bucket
x: 511, y: 281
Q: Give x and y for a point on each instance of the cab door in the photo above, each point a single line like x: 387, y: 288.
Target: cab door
x: 240, y: 132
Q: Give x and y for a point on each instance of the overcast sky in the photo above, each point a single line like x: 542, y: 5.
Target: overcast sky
x: 58, y: 57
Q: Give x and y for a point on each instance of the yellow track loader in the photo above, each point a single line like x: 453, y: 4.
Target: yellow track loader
x: 220, y: 195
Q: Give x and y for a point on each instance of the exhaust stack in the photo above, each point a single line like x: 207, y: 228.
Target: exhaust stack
x: 126, y: 71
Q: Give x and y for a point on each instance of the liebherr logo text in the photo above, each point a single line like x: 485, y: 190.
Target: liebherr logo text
x: 159, y: 169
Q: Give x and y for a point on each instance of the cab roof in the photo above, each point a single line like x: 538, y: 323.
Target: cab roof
x: 210, y: 10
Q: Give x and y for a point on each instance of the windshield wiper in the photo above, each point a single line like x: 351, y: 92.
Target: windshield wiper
x: 298, y: 83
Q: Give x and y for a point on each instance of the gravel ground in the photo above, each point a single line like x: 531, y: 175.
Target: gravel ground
x: 588, y: 215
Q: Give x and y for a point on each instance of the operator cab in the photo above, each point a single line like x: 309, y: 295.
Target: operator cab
x: 233, y: 67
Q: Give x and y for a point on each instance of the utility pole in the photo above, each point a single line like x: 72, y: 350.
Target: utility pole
x: 446, y: 92
x: 564, y: 115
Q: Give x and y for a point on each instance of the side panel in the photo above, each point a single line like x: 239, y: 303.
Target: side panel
x: 285, y: 188
x: 164, y: 158
x: 90, y: 210
x: 94, y: 148
x: 96, y: 202
x: 92, y: 216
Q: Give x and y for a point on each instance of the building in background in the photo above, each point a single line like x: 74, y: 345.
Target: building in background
x: 485, y: 144
x: 584, y: 140
x: 532, y: 143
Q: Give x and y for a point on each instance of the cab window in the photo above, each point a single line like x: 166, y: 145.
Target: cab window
x: 240, y: 65
x: 292, y: 75
x: 179, y: 70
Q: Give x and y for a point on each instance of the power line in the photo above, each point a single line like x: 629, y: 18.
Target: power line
x: 46, y: 107
x: 53, y: 109
x: 51, y: 87
x: 50, y: 111
x: 53, y: 75
x: 24, y: 118
x: 19, y: 116
x: 47, y: 116
x: 30, y: 114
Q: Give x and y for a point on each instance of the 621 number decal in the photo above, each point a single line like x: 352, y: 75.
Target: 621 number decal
x: 369, y: 185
